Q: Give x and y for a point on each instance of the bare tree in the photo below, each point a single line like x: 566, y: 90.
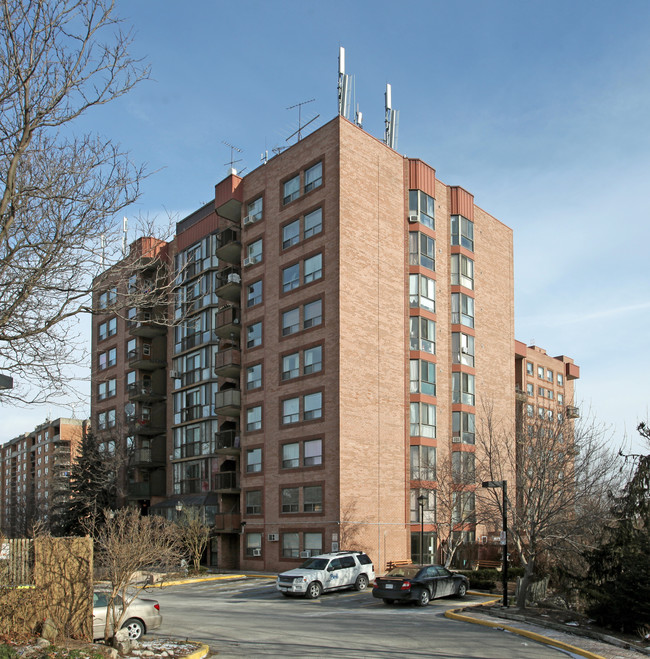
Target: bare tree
x: 60, y: 192
x: 561, y: 470
x: 194, y: 534
x: 126, y: 544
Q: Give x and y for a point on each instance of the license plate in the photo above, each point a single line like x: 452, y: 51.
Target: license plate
x: 388, y: 586
x: 283, y: 589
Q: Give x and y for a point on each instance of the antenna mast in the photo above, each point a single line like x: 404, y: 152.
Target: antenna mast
x: 346, y: 91
x: 300, y: 125
x: 391, y: 121
x: 232, y: 162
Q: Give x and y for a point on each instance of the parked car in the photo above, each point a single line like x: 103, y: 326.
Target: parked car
x: 419, y: 583
x: 142, y: 615
x: 341, y: 569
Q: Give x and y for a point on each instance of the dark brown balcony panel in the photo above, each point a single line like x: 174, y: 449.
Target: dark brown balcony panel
x: 227, y: 522
x: 229, y: 246
x: 229, y: 284
x: 227, y: 363
x: 141, y: 425
x: 228, y: 322
x: 152, y: 457
x: 226, y: 481
x: 147, y: 328
x: 228, y: 402
x: 143, y: 391
x: 226, y: 442
x: 139, y: 490
x: 142, y: 359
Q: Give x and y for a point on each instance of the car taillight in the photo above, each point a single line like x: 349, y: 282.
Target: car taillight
x: 406, y: 585
x: 156, y: 606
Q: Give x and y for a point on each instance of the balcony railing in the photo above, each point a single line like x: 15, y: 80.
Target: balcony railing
x: 227, y: 363
x: 229, y: 245
x: 226, y: 481
x: 228, y: 402
x: 228, y: 321
x: 138, y: 358
x: 229, y: 284
x: 227, y: 522
x: 143, y: 390
x: 227, y: 442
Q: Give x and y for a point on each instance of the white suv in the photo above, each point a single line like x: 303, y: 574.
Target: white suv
x: 340, y: 569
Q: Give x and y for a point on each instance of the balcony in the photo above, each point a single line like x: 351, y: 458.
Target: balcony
x: 139, y: 490
x: 229, y: 284
x: 227, y: 442
x: 227, y: 523
x: 142, y: 425
x: 149, y: 457
x: 228, y: 322
x: 228, y: 402
x: 572, y: 412
x: 142, y: 358
x: 142, y: 390
x: 229, y: 246
x: 227, y: 363
x: 145, y: 326
x: 226, y: 481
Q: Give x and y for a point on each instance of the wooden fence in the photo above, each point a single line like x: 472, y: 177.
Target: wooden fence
x: 17, y: 562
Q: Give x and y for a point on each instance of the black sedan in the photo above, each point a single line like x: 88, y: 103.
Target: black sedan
x: 419, y: 583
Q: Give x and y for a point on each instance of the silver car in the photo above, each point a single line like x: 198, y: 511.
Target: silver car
x: 142, y: 615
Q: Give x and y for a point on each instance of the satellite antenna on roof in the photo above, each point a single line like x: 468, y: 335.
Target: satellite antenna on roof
x: 391, y: 122
x: 232, y: 162
x: 300, y: 124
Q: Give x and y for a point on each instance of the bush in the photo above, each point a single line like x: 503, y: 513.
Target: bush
x: 7, y: 652
x: 481, y: 579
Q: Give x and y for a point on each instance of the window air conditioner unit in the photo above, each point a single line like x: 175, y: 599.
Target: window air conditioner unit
x: 234, y: 278
x: 250, y: 260
x: 465, y: 351
x: 455, y: 440
x: 414, y: 218
x: 273, y: 537
x: 249, y: 219
x: 305, y: 554
x: 173, y: 374
x: 257, y: 552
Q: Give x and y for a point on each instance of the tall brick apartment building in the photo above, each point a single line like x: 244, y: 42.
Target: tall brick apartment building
x: 340, y: 316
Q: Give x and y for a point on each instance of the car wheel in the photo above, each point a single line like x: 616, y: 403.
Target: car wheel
x: 387, y: 600
x: 462, y: 589
x: 361, y: 583
x: 423, y: 597
x: 135, y: 627
x: 313, y: 590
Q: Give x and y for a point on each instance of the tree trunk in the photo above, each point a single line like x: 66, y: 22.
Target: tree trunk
x: 522, y: 594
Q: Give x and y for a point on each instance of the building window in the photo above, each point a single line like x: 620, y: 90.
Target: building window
x: 291, y: 189
x: 291, y: 455
x: 422, y: 250
x: 253, y: 252
x: 540, y: 372
x: 423, y: 205
x: 530, y: 389
x: 291, y: 410
x: 462, y: 349
x: 290, y: 366
x: 423, y: 420
x: 423, y: 334
x: 549, y: 375
x: 463, y: 467
x: 312, y: 499
x: 290, y: 499
x: 429, y: 508
x: 423, y: 377
x: 108, y: 298
x: 254, y: 335
x: 101, y: 421
x: 462, y: 271
x: 255, y: 209
x: 312, y: 452
x: 290, y: 277
x: 254, y: 418
x: 560, y: 399
x: 560, y: 379
x: 529, y: 368
x: 530, y: 410
x: 313, y: 543
x: 313, y: 406
x: 254, y: 376
x: 313, y: 268
x: 462, y: 232
x: 254, y: 293
x: 253, y: 460
x: 422, y: 292
x: 313, y: 177
x: 549, y: 394
x: 462, y: 309
x: 254, y: 502
x: 313, y: 314
x: 313, y: 223
x: 290, y: 545
x: 109, y: 328
x: 290, y: 234
x: 254, y: 544
x: 312, y: 360
x: 423, y: 463
x: 463, y: 508
x: 290, y: 321
x: 463, y: 427
x: 462, y: 388
x: 106, y: 389
x: 110, y: 421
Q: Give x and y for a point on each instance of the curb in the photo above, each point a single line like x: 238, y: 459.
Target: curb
x: 178, y: 582
x: 199, y: 654
x: 453, y: 615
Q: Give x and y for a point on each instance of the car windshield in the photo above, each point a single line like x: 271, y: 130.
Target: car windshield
x: 314, y: 564
x: 406, y: 572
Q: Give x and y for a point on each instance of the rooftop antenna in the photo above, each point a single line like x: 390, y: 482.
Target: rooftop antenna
x: 391, y: 121
x: 343, y: 86
x: 125, y: 224
x: 232, y: 162
x: 278, y: 149
x: 300, y: 124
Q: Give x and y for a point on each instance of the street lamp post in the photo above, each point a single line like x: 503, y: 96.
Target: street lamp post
x: 421, y: 499
x: 504, y: 534
x: 179, y: 509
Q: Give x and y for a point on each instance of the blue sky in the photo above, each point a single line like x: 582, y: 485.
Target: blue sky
x: 540, y: 109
